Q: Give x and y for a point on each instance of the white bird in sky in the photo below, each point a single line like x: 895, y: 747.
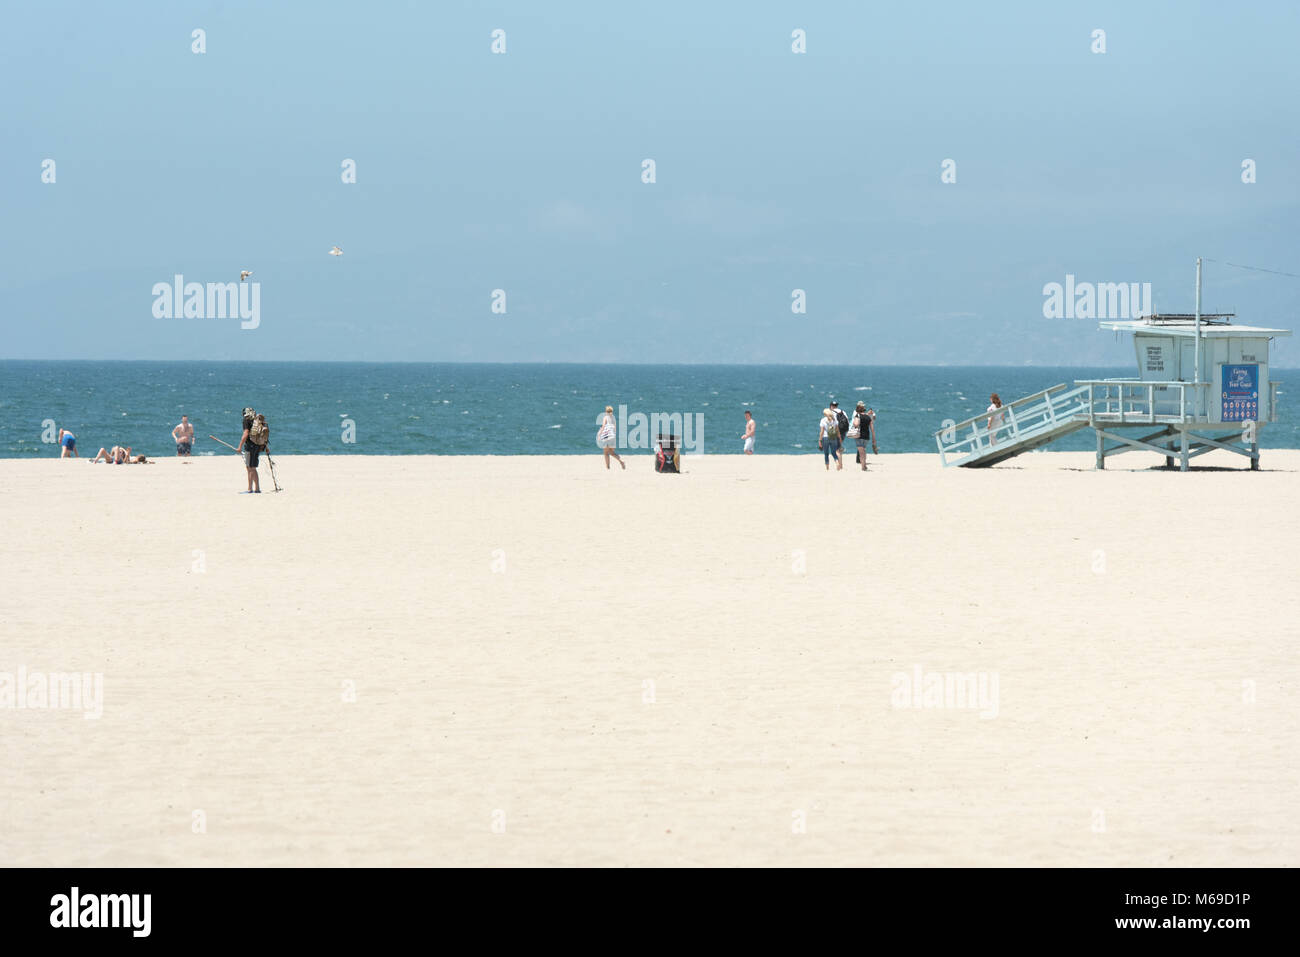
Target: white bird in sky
x: 244, y: 274
x: 335, y: 251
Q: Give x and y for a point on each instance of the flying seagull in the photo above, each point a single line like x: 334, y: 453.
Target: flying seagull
x: 244, y: 274
x: 335, y: 251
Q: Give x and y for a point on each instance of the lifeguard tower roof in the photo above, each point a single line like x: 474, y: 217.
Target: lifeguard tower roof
x: 1214, y: 325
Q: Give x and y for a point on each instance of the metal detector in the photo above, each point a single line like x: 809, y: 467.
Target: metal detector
x: 266, y: 452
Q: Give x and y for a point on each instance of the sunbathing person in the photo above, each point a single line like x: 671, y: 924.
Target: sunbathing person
x: 114, y: 456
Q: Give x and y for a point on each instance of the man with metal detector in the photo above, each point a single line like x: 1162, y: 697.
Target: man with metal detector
x: 255, y: 436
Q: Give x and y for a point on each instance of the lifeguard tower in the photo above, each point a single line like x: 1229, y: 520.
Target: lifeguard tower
x: 1202, y: 384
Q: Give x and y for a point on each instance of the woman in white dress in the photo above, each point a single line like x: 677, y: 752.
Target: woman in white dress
x: 607, y: 436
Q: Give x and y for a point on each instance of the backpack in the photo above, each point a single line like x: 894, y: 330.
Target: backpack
x: 259, y: 433
x: 833, y: 429
x: 842, y: 421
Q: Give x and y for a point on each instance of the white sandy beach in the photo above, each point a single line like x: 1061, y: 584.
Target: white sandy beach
x: 501, y: 619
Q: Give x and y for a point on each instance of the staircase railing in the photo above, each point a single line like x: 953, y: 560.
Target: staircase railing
x: 1021, y: 420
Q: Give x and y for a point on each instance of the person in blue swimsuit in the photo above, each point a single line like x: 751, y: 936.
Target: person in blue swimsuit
x: 69, y: 443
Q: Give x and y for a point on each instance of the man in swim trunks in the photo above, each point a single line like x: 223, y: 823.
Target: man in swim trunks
x: 750, y: 426
x: 184, y: 436
x: 69, y: 443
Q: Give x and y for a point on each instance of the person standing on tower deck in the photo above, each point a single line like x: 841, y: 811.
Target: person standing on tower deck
x: 996, y: 416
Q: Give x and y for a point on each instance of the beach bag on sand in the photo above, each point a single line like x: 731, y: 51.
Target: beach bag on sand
x: 259, y: 433
x: 667, y: 457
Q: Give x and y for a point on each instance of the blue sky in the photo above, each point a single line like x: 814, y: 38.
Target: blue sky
x: 522, y: 172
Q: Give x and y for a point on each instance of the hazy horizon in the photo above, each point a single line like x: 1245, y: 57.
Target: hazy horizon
x: 549, y: 362
x: 135, y: 159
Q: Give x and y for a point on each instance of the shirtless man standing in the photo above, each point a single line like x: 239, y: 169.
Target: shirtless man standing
x: 184, y: 436
x: 750, y: 426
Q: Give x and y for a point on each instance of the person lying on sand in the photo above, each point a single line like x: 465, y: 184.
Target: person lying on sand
x: 118, y: 455
x: 114, y: 456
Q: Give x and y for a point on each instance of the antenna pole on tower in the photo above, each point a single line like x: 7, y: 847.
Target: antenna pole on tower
x: 1198, y: 324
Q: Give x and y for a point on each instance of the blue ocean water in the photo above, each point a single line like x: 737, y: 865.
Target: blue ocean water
x: 523, y: 409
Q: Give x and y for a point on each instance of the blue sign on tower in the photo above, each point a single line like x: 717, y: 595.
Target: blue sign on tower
x: 1240, y: 393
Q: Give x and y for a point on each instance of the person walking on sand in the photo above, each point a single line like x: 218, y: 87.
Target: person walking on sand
x: 860, y: 429
x: 750, y: 426
x: 250, y: 454
x: 828, y: 439
x: 183, y: 435
x: 608, y: 436
x: 841, y: 419
x: 995, y: 417
x: 69, y: 443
